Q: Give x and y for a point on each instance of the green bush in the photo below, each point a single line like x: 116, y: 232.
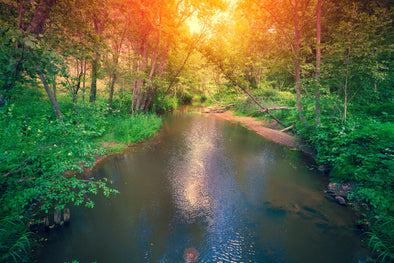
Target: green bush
x: 122, y: 104
x: 132, y: 128
x: 359, y: 150
x: 165, y: 103
x: 39, y: 155
x: 187, y: 98
x: 15, y: 238
x: 381, y: 237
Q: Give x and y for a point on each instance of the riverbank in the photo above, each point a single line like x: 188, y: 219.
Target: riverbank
x: 260, y: 127
x: 42, y: 160
x: 360, y: 158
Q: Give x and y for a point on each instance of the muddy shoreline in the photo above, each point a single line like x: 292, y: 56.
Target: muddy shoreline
x: 259, y: 127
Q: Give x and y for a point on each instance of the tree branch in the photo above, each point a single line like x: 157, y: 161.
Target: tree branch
x: 251, y: 96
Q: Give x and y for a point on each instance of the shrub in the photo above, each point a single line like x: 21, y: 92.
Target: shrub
x: 165, y: 103
x: 132, y: 128
x: 37, y: 152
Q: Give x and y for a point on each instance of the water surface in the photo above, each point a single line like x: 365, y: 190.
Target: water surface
x: 217, y: 187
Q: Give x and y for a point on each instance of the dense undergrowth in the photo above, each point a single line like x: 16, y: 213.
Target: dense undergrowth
x: 359, y: 149
x: 40, y: 157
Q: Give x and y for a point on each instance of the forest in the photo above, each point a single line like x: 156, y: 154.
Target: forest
x: 80, y: 80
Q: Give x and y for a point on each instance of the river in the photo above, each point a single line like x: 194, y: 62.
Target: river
x: 214, y: 189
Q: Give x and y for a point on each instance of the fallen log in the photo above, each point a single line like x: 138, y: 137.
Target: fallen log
x: 288, y: 128
x: 252, y: 97
x: 275, y: 108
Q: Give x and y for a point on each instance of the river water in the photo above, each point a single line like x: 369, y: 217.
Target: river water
x: 214, y: 187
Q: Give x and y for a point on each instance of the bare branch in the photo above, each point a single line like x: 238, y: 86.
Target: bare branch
x: 287, y: 129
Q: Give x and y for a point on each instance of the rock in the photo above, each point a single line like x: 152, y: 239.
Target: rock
x: 340, y: 200
x: 323, y: 169
x: 339, y: 189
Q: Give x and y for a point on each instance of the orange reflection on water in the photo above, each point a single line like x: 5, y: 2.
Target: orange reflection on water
x: 190, y: 179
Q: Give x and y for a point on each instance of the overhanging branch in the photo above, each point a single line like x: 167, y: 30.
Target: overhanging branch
x: 264, y: 109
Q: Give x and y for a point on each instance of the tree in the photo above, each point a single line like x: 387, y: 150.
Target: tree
x: 318, y: 60
x: 296, y: 48
x: 355, y: 64
x: 99, y: 18
x: 35, y: 27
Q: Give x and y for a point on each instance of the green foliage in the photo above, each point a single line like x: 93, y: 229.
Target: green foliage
x: 381, y: 237
x: 132, y: 128
x: 40, y: 158
x: 227, y: 96
x: 187, y: 98
x: 14, y: 239
x: 359, y: 150
x: 164, y: 103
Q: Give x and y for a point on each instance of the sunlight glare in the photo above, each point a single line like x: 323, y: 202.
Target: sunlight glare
x: 196, y: 26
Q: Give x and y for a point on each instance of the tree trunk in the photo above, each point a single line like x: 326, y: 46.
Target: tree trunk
x: 75, y: 91
x: 35, y: 26
x: 185, y: 61
x: 76, y: 88
x: 346, y: 84
x: 259, y: 71
x: 55, y: 104
x: 40, y: 16
x: 93, y: 87
x: 112, y: 89
x: 84, y: 80
x: 114, y: 78
x: 318, y: 59
x: 54, y: 87
x: 150, y: 90
x: 180, y: 69
x: 153, y: 67
x: 141, y: 81
x: 163, y: 60
x: 161, y: 69
x: 20, y: 13
x: 297, y: 35
x: 144, y: 98
x: 99, y: 29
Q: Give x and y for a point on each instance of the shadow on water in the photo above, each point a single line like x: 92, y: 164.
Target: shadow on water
x: 205, y: 190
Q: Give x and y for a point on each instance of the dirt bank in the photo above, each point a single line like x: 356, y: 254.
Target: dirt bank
x: 268, y: 133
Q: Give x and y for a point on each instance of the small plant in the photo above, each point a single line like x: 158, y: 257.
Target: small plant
x: 381, y: 238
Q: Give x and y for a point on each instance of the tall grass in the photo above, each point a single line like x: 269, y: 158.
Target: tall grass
x: 132, y: 128
x: 381, y: 238
x: 14, y: 239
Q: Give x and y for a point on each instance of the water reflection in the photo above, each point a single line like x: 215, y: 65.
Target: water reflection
x: 206, y: 190
x: 209, y: 188
x: 189, y: 183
